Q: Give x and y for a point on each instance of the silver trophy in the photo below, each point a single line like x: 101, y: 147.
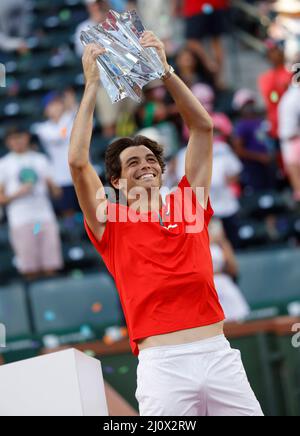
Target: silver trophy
x: 126, y: 67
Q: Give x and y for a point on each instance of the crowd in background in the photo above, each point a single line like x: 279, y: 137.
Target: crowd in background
x: 254, y: 150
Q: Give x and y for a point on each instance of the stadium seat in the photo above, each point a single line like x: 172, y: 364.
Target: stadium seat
x: 13, y: 311
x: 252, y: 233
x: 263, y: 204
x: 4, y: 238
x: 270, y: 279
x: 15, y: 315
x: 7, y: 265
x: 80, y: 255
x: 67, y: 304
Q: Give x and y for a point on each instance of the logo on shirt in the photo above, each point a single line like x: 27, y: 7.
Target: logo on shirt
x: 170, y: 227
x: 28, y: 175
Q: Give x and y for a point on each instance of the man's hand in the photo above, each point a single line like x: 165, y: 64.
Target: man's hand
x: 86, y: 180
x: 89, y: 62
x: 149, y: 39
x: 26, y: 189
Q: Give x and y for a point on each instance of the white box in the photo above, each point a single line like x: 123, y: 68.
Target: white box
x: 68, y: 383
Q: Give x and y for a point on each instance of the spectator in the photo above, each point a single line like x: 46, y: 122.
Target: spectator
x: 289, y: 129
x: 154, y: 109
x: 274, y: 83
x: 227, y: 167
x: 222, y: 124
x: 54, y: 135
x: 251, y: 143
x: 14, y: 25
x: 287, y: 24
x: 190, y: 68
x: 25, y: 181
x: 206, y: 18
x: 97, y: 11
x: 226, y: 171
x: 226, y: 174
x: 122, y: 5
x: 233, y: 302
x: 157, y: 16
x: 154, y: 117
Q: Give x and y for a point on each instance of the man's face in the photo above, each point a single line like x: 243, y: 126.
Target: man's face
x: 186, y: 60
x: 140, y: 169
x: 276, y: 56
x: 18, y: 142
x: 97, y: 11
x: 55, y: 109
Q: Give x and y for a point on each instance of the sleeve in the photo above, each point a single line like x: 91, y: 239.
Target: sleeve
x: 46, y: 167
x: 2, y: 173
x: 189, y: 196
x: 239, y: 130
x: 100, y: 245
x: 105, y: 246
x: 233, y: 165
x: 289, y: 117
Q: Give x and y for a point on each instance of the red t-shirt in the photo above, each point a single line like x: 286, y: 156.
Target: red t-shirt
x: 195, y: 7
x: 164, y: 274
x: 273, y: 84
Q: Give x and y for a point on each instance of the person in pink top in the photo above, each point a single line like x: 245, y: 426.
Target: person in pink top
x: 223, y: 127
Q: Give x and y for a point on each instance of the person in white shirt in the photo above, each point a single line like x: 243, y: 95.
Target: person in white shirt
x: 54, y: 135
x: 226, y: 170
x: 289, y: 132
x: 25, y: 182
x: 235, y: 306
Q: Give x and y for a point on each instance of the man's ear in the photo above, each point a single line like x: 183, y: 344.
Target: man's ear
x: 119, y: 183
x: 115, y: 182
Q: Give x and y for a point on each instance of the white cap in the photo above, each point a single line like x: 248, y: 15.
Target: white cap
x: 242, y: 97
x: 89, y: 2
x: 152, y: 133
x: 287, y: 6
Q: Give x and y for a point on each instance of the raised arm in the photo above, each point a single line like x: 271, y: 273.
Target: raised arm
x: 87, y: 184
x: 198, y: 166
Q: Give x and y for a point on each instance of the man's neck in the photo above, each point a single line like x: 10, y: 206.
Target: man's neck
x: 154, y: 204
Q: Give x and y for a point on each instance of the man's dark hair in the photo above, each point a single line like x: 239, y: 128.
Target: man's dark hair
x: 15, y: 130
x: 113, y: 163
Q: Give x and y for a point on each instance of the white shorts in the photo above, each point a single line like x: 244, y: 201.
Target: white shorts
x: 203, y: 378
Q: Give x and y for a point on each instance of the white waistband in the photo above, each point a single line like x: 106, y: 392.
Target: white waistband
x: 210, y: 345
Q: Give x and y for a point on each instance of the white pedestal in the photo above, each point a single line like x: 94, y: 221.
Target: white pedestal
x: 67, y: 383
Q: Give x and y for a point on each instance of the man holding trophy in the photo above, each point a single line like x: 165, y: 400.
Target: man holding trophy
x: 158, y: 253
